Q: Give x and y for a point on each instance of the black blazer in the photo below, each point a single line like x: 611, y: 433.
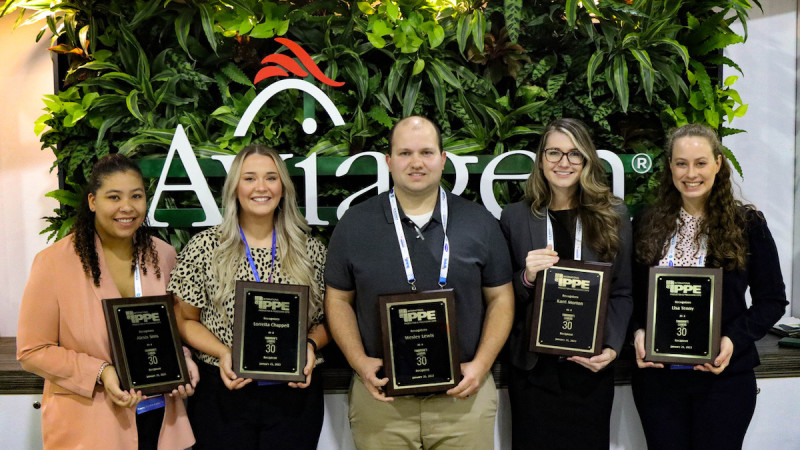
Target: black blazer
x: 525, y: 232
x: 742, y: 324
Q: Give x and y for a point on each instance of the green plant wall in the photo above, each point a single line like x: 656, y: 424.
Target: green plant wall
x: 491, y: 73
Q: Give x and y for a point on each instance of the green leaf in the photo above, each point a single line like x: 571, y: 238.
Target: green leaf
x: 379, y: 114
x: 462, y: 31
x: 410, y: 97
x: 101, y: 133
x: 571, y: 11
x: 208, y: 25
x: 234, y: 73
x: 621, y: 81
x: 477, y: 29
x: 39, y: 125
x: 730, y: 80
x: 512, y: 10
x: 376, y: 40
x: 132, y: 101
x: 438, y: 91
x: 392, y: 10
x: 436, y: 37
x: 419, y: 66
x: 445, y: 73
x: 677, y: 48
x: 463, y: 146
x: 591, y: 68
x: 704, y: 82
x: 592, y: 8
x: 263, y: 31
x: 182, y: 25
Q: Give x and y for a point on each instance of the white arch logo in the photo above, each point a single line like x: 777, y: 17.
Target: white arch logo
x: 282, y: 64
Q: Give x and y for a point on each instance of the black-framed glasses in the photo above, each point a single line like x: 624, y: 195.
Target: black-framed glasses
x: 554, y: 155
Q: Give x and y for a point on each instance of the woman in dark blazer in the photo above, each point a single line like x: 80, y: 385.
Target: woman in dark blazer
x: 698, y: 222
x: 559, y: 402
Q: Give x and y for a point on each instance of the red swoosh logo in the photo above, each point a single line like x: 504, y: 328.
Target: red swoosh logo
x: 284, y: 63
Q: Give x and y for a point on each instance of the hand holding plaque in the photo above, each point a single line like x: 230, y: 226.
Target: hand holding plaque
x: 270, y: 330
x: 420, y: 350
x: 683, y: 315
x: 569, y: 310
x: 145, y: 344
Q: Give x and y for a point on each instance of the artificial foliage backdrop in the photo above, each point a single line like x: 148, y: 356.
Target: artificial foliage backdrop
x: 490, y: 73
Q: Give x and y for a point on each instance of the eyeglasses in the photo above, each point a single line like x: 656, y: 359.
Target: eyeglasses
x: 554, y: 156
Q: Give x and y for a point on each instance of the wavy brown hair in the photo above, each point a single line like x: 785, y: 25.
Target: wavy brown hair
x: 595, y: 202
x: 723, y: 222
x: 84, y: 231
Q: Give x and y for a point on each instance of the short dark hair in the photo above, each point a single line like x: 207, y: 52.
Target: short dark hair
x: 435, y: 127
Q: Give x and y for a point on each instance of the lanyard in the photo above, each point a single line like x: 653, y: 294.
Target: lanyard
x: 701, y: 253
x: 578, y: 236
x: 250, y: 256
x: 137, y: 281
x: 152, y: 402
x: 401, y: 240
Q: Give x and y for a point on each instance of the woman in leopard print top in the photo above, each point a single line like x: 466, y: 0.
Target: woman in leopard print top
x: 262, y: 219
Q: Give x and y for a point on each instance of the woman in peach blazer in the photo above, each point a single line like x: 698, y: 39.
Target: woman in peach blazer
x: 62, y: 333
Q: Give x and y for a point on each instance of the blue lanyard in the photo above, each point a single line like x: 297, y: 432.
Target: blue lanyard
x: 250, y: 256
x: 151, y: 403
x: 401, y: 240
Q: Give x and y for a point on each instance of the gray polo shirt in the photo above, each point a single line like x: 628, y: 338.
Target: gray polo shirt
x: 364, y: 256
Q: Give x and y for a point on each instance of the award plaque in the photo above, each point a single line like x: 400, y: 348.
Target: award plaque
x: 420, y: 342
x: 270, y: 330
x: 569, y: 309
x: 683, y: 315
x: 145, y: 343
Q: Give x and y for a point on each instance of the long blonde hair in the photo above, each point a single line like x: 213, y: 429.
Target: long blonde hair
x: 595, y: 200
x: 290, y: 226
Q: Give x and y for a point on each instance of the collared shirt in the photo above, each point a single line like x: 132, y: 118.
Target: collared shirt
x: 363, y: 256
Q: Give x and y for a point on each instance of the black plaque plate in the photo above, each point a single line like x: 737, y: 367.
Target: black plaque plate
x: 569, y: 310
x: 683, y: 315
x: 270, y: 330
x: 145, y: 343
x: 420, y: 342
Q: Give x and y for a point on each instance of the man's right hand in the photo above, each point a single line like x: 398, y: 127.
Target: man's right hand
x: 368, y: 371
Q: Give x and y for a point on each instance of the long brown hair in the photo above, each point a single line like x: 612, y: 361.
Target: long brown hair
x: 83, y: 229
x: 594, y: 198
x: 723, y: 221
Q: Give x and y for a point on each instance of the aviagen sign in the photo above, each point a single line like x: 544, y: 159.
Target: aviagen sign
x: 510, y: 166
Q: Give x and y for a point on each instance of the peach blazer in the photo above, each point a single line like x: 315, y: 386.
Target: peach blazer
x: 62, y: 337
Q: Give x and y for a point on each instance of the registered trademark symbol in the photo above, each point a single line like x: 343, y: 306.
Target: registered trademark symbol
x: 641, y: 163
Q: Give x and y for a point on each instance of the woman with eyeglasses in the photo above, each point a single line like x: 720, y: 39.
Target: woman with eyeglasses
x: 698, y: 222
x: 568, y: 213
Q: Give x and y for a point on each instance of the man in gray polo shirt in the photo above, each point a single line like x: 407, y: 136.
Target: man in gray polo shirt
x: 365, y: 261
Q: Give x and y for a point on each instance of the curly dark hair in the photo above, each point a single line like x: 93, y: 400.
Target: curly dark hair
x: 724, y: 220
x: 84, y: 230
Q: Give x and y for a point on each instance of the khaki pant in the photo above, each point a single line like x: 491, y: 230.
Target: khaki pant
x: 423, y: 422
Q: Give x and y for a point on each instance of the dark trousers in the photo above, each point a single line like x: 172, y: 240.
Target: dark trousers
x: 560, y: 405
x: 686, y: 409
x: 148, y: 428
x: 254, y: 417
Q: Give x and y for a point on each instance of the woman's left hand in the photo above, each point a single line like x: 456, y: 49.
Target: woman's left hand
x: 723, y: 359
x: 597, y: 362
x: 310, y: 361
x: 187, y: 390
